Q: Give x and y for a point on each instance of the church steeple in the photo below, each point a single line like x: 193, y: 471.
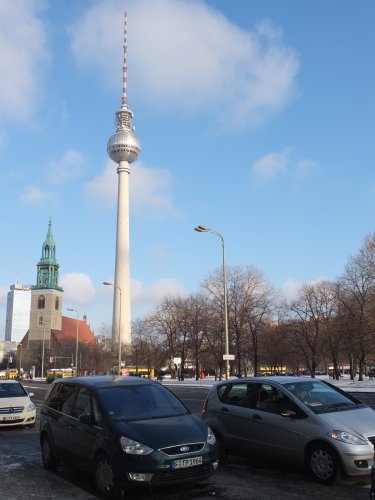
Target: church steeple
x: 47, y: 267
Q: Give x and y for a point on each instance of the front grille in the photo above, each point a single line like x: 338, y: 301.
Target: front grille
x: 13, y: 422
x: 190, y: 473
x: 9, y: 410
x: 176, y: 450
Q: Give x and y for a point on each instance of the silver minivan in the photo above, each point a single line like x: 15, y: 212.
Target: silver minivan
x: 296, y: 419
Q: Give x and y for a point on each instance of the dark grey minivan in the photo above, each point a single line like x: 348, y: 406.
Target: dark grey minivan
x: 125, y: 431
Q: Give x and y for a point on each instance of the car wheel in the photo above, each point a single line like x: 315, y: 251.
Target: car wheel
x: 105, y: 478
x: 49, y: 459
x: 223, y: 452
x: 324, y: 463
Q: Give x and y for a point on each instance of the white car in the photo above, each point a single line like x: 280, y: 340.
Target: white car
x: 16, y: 407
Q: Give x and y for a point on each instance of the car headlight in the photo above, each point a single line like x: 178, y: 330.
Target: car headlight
x: 133, y: 447
x: 346, y: 437
x: 211, y: 439
x: 30, y: 407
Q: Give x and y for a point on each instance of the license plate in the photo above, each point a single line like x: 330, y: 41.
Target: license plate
x: 186, y: 462
x: 14, y: 417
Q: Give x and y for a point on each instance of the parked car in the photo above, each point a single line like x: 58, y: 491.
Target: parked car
x: 16, y: 407
x: 306, y: 421
x: 126, y: 431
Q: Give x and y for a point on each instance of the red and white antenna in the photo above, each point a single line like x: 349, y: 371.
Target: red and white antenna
x: 124, y: 69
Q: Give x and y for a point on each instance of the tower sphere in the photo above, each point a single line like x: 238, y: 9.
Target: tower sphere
x: 123, y: 146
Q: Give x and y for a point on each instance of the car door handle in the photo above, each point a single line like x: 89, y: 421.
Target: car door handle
x: 257, y: 417
x: 224, y: 408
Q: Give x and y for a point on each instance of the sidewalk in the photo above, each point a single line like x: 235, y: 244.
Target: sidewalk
x: 355, y: 385
x: 344, y: 383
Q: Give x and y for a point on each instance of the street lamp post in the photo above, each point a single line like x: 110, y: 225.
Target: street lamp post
x: 44, y: 334
x: 204, y: 229
x: 75, y: 310
x: 119, y: 325
x: 20, y: 345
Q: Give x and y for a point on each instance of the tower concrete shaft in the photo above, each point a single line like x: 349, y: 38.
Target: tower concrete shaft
x: 123, y: 148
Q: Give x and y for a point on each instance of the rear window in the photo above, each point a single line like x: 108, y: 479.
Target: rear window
x: 137, y: 402
x: 61, y: 397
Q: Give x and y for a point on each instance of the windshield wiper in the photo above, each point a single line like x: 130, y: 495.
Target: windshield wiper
x: 337, y: 406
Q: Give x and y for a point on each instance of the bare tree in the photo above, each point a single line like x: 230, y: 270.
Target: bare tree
x: 358, y: 283
x: 312, y: 314
x: 165, y: 324
x: 250, y: 301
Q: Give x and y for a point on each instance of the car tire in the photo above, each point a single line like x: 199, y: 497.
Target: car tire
x: 223, y: 452
x: 49, y: 459
x: 323, y: 463
x: 105, y: 478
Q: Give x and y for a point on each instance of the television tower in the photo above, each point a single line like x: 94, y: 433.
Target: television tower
x: 123, y: 148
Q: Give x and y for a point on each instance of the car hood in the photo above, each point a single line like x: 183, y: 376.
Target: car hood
x: 357, y: 421
x: 164, y: 432
x: 13, y: 402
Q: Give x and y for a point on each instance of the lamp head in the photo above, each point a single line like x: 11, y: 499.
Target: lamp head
x: 201, y: 229
x: 107, y: 283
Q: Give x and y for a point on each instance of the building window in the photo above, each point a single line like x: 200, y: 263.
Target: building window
x: 57, y: 302
x: 41, y: 302
x: 40, y: 320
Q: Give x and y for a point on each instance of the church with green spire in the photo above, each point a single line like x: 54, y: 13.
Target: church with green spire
x: 52, y: 338
x: 46, y: 295
x: 48, y: 268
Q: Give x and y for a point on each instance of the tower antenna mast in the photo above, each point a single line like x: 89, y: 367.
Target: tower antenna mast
x: 125, y: 67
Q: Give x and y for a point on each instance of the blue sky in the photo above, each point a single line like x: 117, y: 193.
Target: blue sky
x: 256, y: 118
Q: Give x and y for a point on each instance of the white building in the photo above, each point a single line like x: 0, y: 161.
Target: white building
x: 18, y: 312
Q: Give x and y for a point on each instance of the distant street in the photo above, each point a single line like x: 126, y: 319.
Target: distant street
x: 241, y: 479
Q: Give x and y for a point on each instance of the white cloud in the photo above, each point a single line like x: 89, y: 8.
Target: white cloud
x: 149, y: 189
x: 23, y: 53
x: 3, y: 295
x: 78, y: 289
x: 186, y: 55
x: 34, y: 195
x: 270, y: 166
x: 152, y: 295
x: 65, y: 168
x: 103, y: 188
x: 274, y: 165
x: 291, y: 287
x: 145, y: 298
x: 306, y: 167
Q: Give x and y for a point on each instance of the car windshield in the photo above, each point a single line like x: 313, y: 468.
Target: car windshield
x: 321, y: 397
x: 139, y: 402
x: 11, y: 390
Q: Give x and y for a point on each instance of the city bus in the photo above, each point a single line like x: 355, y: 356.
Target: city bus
x: 140, y: 371
x: 11, y: 373
x: 59, y: 373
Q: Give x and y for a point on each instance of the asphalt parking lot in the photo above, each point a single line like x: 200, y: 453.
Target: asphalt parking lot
x: 23, y: 477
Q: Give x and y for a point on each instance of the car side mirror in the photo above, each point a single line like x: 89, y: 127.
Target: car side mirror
x: 288, y: 412
x: 85, y: 418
